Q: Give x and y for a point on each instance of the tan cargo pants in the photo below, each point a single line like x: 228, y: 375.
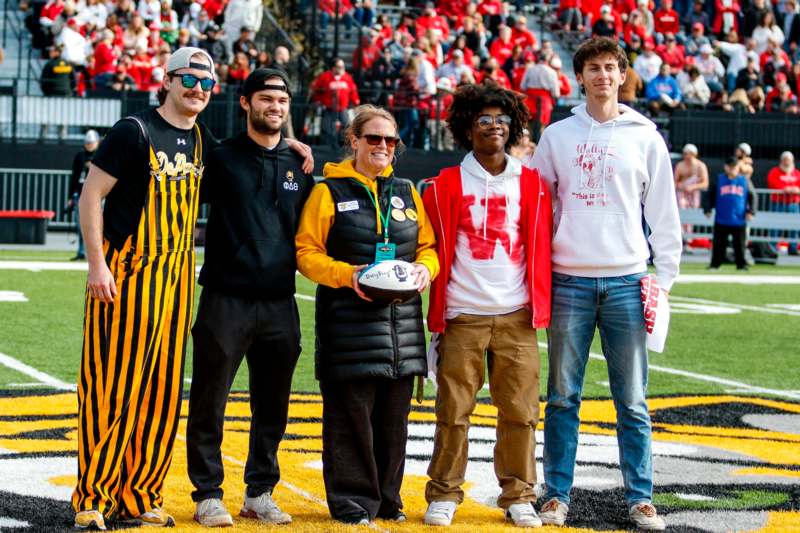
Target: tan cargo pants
x: 509, y: 343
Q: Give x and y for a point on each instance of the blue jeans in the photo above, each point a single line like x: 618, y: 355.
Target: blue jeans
x: 785, y: 208
x: 579, y: 306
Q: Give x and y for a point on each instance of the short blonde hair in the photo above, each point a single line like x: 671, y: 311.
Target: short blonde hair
x: 362, y: 115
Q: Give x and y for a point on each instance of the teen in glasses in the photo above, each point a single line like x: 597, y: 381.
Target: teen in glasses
x: 493, y: 222
x: 367, y: 352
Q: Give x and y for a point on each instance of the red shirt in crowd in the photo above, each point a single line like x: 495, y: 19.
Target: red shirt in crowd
x: 141, y: 70
x: 563, y: 82
x: 498, y: 76
x: 327, y: 84
x: 329, y: 6
x: 721, y: 10
x: 452, y: 8
x: 501, y: 50
x: 490, y: 7
x: 523, y: 37
x: 436, y: 23
x: 52, y: 10
x: 625, y: 6
x: 778, y: 179
x: 568, y: 4
x: 369, y: 54
x: 675, y: 58
x: 766, y: 57
x: 214, y: 8
x: 105, y: 58
x: 666, y: 21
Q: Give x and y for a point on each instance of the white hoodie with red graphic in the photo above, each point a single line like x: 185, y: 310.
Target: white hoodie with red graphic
x: 488, y: 273
x: 603, y: 178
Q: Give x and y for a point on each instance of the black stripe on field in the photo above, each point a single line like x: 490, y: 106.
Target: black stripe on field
x: 33, y: 455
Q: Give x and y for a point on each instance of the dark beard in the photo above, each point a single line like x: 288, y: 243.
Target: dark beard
x: 260, y: 125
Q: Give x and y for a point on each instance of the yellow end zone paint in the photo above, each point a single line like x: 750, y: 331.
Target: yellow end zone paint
x: 299, y: 457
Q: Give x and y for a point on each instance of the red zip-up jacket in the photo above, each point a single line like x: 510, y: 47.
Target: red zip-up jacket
x: 442, y: 200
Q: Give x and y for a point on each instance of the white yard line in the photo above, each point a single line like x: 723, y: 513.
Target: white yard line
x: 742, y: 279
x: 46, y: 379
x: 758, y: 308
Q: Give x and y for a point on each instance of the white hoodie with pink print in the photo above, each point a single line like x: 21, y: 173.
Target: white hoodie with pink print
x: 603, y: 178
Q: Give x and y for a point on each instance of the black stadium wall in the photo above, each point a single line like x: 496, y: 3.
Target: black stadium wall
x: 413, y: 164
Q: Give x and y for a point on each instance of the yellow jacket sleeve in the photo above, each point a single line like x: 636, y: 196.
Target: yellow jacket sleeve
x: 426, y: 240
x: 313, y: 260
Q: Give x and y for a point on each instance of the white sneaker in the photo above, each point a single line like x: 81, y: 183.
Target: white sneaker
x: 211, y: 512
x: 644, y: 515
x: 523, y: 515
x: 553, y: 512
x: 440, y: 513
x: 265, y: 509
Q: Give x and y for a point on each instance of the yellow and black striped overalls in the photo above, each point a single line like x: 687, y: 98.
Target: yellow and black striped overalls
x: 131, y: 375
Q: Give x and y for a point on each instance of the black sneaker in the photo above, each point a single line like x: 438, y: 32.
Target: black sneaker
x: 394, y: 516
x: 358, y: 519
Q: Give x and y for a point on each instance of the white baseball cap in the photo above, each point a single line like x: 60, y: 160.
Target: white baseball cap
x: 744, y: 147
x: 91, y: 137
x: 690, y: 149
x: 182, y: 58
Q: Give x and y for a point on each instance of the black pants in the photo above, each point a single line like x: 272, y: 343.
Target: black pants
x: 227, y: 328
x: 364, y: 433
x: 721, y: 233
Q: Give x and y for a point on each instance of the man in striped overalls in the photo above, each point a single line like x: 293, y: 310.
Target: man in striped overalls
x: 139, y: 297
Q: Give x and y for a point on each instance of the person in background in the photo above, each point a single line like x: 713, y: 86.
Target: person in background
x: 245, y: 44
x: 80, y: 169
x: 58, y: 74
x: 662, y: 92
x: 733, y: 201
x: 360, y: 214
x: 336, y: 91
x: 648, y: 64
x: 691, y: 179
x: 785, y: 178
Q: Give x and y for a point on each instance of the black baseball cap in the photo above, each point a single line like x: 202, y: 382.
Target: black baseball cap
x: 731, y: 161
x: 258, y: 81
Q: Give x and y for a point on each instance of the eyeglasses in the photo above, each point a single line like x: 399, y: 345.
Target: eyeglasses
x: 190, y: 81
x: 487, y: 121
x: 375, y: 140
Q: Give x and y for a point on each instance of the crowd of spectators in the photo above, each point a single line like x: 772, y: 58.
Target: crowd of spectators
x: 724, y: 54
x: 414, y: 65
x: 120, y: 45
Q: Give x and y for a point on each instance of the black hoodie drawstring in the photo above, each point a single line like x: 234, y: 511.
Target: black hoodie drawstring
x: 271, y: 154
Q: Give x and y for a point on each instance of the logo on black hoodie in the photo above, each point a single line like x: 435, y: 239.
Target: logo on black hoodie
x: 290, y: 184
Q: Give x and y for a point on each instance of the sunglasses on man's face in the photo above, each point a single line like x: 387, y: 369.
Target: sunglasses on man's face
x: 375, y: 140
x: 487, y: 121
x: 190, y: 81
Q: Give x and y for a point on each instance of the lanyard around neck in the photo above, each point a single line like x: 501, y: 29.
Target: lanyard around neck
x: 374, y: 199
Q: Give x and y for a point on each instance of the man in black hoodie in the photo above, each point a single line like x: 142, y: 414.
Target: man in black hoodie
x: 256, y: 187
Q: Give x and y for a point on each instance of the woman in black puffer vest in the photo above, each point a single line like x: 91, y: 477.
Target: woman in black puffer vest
x: 367, y: 353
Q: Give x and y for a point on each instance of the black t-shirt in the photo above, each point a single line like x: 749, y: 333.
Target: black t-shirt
x: 125, y: 155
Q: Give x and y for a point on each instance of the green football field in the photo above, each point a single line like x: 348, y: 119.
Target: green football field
x: 724, y: 337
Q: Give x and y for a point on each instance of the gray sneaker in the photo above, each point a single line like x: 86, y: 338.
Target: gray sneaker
x: 211, y: 512
x: 553, y: 512
x: 645, y: 516
x: 265, y: 509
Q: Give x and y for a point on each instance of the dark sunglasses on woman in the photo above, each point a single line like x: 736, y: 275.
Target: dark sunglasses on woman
x: 375, y: 140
